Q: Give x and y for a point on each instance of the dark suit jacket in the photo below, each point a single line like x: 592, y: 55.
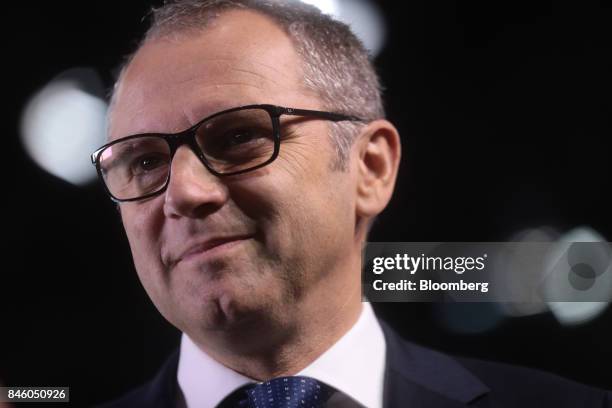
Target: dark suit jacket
x: 417, y: 377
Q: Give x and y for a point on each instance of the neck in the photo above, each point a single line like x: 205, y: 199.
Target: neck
x: 271, y: 347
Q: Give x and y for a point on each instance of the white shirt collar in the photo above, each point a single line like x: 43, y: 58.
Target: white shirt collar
x: 354, y: 365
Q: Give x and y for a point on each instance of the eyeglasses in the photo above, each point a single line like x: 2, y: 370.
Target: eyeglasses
x: 229, y: 142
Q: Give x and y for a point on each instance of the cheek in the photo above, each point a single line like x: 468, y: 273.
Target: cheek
x: 294, y: 208
x: 143, y: 225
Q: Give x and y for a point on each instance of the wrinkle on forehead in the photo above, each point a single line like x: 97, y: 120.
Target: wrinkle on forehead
x: 250, y: 66
x: 247, y: 76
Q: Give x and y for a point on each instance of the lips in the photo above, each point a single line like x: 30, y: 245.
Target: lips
x: 210, y: 247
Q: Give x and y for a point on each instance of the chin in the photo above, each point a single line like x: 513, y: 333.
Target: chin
x: 230, y: 299
x: 225, y: 309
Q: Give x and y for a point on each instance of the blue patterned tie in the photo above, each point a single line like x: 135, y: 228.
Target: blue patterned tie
x: 287, y: 392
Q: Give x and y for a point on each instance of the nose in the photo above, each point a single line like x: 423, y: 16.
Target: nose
x: 192, y: 190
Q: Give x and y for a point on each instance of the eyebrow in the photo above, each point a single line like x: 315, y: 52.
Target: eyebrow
x: 206, y: 108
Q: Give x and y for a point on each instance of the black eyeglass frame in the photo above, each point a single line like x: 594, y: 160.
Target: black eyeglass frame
x: 188, y: 137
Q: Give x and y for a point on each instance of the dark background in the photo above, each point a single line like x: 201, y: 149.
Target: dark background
x: 504, y: 111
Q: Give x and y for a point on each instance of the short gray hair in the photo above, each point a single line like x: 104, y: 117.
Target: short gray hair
x: 336, y: 65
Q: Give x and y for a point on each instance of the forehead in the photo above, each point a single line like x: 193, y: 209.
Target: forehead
x: 241, y: 58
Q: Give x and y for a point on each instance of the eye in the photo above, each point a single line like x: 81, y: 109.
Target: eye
x: 241, y: 137
x: 147, y: 163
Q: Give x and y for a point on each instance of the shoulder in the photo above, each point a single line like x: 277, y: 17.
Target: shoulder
x: 432, y: 375
x: 521, y: 386
x: 160, y: 392
x: 134, y: 398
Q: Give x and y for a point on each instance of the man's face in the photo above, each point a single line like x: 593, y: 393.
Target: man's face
x: 217, y: 253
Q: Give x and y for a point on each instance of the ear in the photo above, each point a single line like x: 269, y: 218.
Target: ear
x: 379, y: 151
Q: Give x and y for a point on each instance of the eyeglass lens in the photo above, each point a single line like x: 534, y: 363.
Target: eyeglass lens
x: 230, y: 142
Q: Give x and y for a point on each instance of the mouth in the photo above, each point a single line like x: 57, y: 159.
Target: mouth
x: 211, y: 248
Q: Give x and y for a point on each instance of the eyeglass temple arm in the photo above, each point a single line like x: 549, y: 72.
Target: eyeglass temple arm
x: 336, y: 117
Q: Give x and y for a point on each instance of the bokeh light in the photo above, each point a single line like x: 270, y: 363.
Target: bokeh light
x: 63, y: 123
